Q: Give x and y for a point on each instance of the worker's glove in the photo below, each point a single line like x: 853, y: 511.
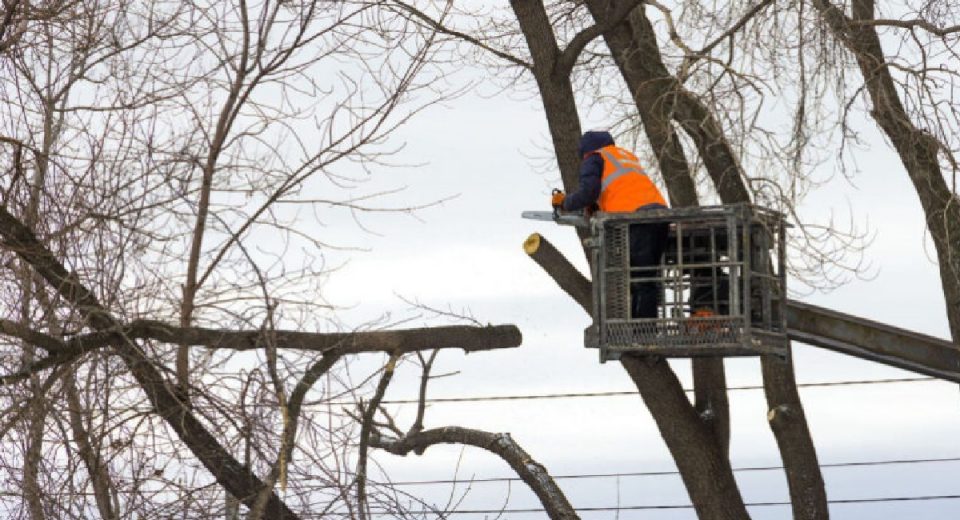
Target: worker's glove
x: 556, y: 200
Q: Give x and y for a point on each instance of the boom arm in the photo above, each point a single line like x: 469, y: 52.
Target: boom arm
x: 873, y: 341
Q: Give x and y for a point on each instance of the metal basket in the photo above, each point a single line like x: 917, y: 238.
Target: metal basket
x: 721, y: 284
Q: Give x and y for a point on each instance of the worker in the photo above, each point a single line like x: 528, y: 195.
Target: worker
x: 612, y: 180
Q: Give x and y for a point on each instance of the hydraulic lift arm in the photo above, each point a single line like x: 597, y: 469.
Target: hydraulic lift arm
x: 873, y: 341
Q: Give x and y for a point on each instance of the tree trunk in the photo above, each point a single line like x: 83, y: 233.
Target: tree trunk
x: 556, y: 92
x: 789, y: 424
x: 703, y: 462
x: 637, y: 55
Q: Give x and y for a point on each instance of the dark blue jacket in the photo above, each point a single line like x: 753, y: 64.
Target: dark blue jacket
x: 591, y: 171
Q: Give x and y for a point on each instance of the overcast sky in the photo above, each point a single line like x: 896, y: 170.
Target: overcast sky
x: 465, y: 255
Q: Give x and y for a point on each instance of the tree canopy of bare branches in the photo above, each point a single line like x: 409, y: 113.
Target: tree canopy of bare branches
x: 162, y: 329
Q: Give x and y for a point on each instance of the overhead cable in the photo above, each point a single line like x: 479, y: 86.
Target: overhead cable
x: 619, y: 393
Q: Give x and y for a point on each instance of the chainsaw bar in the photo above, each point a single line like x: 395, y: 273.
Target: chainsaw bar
x: 566, y: 219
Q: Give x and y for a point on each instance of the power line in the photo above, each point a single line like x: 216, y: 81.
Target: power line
x: 620, y: 393
x: 871, y: 500
x: 672, y: 472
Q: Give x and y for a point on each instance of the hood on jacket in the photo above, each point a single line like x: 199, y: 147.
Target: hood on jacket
x: 594, y: 140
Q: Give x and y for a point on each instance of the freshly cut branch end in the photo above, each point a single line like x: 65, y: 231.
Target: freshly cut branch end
x: 778, y: 413
x: 532, y: 243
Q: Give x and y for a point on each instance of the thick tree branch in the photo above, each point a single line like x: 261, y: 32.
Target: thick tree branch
x: 28, y: 335
x: 467, y: 338
x: 36, y: 367
x: 657, y: 89
x: 17, y: 238
x: 500, y: 444
x: 556, y: 92
x: 568, y: 58
x: 560, y: 269
x: 654, y: 100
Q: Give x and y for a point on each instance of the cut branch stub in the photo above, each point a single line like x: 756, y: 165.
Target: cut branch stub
x: 560, y: 269
x: 468, y: 338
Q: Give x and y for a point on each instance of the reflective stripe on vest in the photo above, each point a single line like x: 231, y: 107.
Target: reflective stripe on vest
x: 621, y: 168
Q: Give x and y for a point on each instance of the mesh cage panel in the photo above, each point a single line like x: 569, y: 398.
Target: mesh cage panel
x: 617, y: 264
x: 617, y: 300
x: 616, y: 247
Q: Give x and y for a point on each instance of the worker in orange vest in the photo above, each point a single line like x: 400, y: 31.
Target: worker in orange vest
x: 612, y: 180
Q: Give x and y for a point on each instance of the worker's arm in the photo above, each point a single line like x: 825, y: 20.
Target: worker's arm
x: 591, y: 171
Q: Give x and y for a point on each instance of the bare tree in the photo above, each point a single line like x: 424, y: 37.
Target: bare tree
x: 158, y: 162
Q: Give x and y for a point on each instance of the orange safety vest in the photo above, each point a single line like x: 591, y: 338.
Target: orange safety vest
x: 624, y: 186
